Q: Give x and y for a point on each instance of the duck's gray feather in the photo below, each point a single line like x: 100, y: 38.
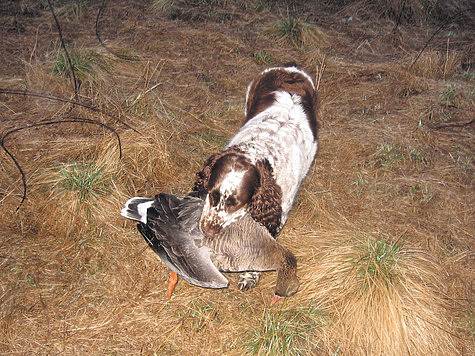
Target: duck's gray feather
x: 171, y: 228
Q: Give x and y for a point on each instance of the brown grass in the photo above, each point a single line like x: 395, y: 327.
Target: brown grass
x: 379, y: 286
x: 394, y: 173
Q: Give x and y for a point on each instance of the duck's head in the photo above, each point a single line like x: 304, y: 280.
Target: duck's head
x: 287, y: 282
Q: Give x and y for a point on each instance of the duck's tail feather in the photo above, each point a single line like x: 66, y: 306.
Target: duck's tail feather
x: 136, y: 209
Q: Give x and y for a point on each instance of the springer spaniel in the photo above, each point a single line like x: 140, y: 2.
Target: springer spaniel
x: 261, y: 169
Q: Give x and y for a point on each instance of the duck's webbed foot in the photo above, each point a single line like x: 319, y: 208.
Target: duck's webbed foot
x: 248, y: 280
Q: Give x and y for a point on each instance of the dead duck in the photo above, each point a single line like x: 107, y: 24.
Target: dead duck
x: 170, y: 225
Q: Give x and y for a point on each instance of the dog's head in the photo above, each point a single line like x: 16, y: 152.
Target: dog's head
x: 231, y: 186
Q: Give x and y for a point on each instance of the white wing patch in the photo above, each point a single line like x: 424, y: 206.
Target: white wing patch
x: 142, y: 209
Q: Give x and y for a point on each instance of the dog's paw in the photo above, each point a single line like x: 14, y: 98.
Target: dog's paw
x: 248, y: 280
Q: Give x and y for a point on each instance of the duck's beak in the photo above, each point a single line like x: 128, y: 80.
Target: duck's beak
x: 275, y: 299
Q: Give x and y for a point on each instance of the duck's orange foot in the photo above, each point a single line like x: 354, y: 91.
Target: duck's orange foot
x: 172, y: 283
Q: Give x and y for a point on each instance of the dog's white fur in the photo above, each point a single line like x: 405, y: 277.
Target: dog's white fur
x: 282, y: 135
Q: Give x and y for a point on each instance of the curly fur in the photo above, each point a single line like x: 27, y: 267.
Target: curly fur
x: 266, y: 203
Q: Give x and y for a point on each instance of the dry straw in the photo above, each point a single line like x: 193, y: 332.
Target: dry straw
x: 384, y: 295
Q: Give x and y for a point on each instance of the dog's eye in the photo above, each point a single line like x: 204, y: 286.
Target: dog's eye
x: 215, y: 196
x: 231, y: 201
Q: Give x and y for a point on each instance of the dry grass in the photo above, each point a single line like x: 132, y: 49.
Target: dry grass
x: 377, y: 285
x: 298, y: 33
x: 383, y: 226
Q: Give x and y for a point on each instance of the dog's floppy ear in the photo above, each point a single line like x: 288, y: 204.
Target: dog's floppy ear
x: 266, y: 203
x: 202, y: 177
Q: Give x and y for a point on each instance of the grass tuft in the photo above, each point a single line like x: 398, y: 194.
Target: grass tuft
x: 85, y: 63
x: 290, y: 29
x: 383, y: 296
x: 359, y: 183
x: 417, y: 157
x: 83, y: 196
x: 298, y: 33
x: 161, y: 5
x: 287, y: 332
x: 421, y: 193
x: 448, y: 96
x: 84, y: 179
x: 390, y: 155
x: 377, y: 261
x: 74, y: 8
x: 462, y: 161
x: 262, y: 57
x: 437, y: 64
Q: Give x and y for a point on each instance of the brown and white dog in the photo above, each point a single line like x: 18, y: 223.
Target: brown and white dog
x: 261, y: 169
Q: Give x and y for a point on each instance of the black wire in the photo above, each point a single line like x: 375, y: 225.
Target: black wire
x: 76, y: 83
x: 86, y: 121
x: 398, y: 22
x: 454, y: 125
x: 121, y: 56
x: 449, y: 20
x: 63, y: 100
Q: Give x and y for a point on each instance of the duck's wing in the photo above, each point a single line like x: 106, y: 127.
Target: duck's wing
x: 170, y: 225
